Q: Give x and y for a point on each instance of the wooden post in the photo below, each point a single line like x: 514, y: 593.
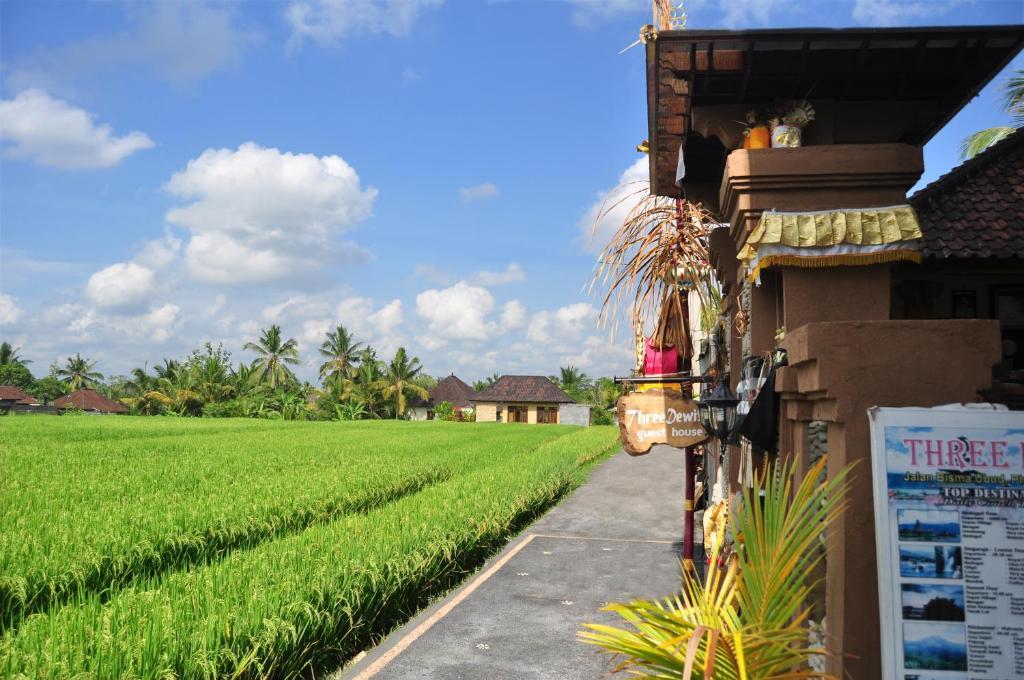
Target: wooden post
x: 688, y: 502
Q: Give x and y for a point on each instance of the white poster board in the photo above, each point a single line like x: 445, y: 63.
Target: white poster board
x: 949, y: 526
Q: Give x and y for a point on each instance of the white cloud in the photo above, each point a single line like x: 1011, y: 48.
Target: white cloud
x: 9, y: 311
x: 587, y: 13
x: 182, y: 42
x: 159, y: 323
x: 213, y: 309
x: 51, y: 132
x: 158, y: 253
x: 457, y: 312
x: 258, y: 214
x: 480, y: 192
x: 746, y: 13
x: 386, y: 319
x: 329, y: 21
x: 564, y: 324
x: 513, y: 274
x: 513, y: 315
x: 612, y: 206
x: 123, y: 284
x: 898, y: 12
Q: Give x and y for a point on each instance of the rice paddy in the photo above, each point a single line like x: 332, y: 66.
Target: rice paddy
x: 157, y: 548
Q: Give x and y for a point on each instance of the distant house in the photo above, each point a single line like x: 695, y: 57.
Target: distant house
x: 89, y: 401
x: 522, y: 399
x: 450, y: 389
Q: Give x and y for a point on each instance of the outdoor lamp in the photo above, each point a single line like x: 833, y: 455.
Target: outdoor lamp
x: 718, y: 410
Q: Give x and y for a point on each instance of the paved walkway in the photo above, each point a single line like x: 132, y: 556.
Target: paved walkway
x: 616, y: 538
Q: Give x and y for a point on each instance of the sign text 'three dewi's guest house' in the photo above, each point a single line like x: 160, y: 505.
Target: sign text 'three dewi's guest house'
x: 658, y: 417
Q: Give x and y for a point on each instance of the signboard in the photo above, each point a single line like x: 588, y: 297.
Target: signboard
x: 658, y: 417
x: 949, y: 526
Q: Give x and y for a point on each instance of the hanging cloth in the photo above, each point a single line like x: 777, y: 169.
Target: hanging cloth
x: 761, y: 426
x: 660, y: 360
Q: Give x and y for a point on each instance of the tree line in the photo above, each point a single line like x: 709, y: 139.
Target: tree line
x: 355, y: 383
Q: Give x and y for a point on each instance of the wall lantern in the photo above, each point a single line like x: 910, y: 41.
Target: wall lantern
x: 718, y: 410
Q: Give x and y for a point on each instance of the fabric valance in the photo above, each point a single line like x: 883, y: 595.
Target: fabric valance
x: 830, y: 238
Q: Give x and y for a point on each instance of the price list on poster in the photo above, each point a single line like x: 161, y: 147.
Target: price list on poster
x: 949, y: 522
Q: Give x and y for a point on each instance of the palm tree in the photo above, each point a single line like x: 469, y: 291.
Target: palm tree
x: 572, y: 380
x: 341, y: 352
x: 9, y: 355
x: 400, y: 380
x: 1013, y: 104
x: 480, y: 385
x: 140, y: 382
x: 274, y: 354
x: 168, y: 370
x: 492, y: 378
x: 78, y: 373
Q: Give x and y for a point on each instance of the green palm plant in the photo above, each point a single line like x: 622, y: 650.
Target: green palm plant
x: 747, y: 620
x: 140, y: 382
x: 480, y: 385
x: 79, y: 373
x: 275, y: 354
x: 10, y: 355
x: 342, y: 353
x: 399, y: 381
x: 168, y: 370
x: 1013, y: 104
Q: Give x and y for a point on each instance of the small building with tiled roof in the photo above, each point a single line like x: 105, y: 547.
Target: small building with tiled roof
x: 521, y: 399
x: 90, y: 401
x: 16, y: 395
x: 972, y: 246
x: 451, y: 389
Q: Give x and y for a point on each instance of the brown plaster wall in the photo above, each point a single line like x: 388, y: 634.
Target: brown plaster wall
x: 835, y: 294
x: 837, y: 371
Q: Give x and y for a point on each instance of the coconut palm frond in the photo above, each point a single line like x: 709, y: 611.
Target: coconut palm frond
x: 748, y: 617
x: 661, y: 243
x: 983, y: 139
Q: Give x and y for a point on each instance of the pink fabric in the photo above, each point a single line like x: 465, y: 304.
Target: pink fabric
x: 660, y: 361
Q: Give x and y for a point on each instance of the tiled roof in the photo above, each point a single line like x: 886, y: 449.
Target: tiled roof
x: 453, y: 390
x: 19, y: 397
x: 976, y: 211
x: 524, y: 388
x: 90, y: 400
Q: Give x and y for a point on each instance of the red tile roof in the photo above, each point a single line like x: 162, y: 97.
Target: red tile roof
x: 19, y: 397
x: 453, y: 390
x: 977, y: 209
x: 534, y: 389
x: 90, y: 400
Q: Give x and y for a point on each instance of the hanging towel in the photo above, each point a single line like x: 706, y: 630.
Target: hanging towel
x: 660, y: 360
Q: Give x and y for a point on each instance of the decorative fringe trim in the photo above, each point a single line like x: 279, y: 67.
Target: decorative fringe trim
x: 843, y: 260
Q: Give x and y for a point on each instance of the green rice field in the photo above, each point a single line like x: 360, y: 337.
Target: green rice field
x: 190, y: 548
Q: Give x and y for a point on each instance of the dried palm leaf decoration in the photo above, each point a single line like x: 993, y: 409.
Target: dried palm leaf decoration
x: 652, y: 262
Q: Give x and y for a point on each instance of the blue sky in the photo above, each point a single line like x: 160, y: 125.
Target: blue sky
x: 424, y: 171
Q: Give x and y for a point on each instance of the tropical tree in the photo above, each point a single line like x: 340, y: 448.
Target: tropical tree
x: 492, y: 378
x: 17, y: 375
x: 572, y: 380
x: 480, y: 385
x: 140, y: 382
x: 275, y: 354
x: 47, y: 389
x: 168, y: 370
x: 9, y: 355
x: 399, y: 381
x: 748, y: 617
x: 1013, y: 104
x: 79, y: 373
x: 342, y: 353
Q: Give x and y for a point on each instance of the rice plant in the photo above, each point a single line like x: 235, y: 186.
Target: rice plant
x: 313, y: 597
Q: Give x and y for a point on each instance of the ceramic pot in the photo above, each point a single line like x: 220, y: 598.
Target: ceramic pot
x: 757, y: 138
x: 785, y: 136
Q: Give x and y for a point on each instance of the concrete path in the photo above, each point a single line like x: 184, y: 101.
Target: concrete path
x: 618, y: 537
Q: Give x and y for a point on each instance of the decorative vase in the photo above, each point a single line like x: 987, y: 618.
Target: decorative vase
x: 757, y: 138
x: 784, y: 136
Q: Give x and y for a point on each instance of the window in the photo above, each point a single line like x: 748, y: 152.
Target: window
x: 547, y: 415
x: 517, y: 414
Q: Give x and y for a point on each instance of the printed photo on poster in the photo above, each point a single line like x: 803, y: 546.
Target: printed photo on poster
x: 933, y: 526
x: 940, y: 561
x: 932, y: 602
x: 935, y: 646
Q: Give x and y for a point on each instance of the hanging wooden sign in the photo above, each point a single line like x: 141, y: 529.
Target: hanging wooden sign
x: 658, y: 417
